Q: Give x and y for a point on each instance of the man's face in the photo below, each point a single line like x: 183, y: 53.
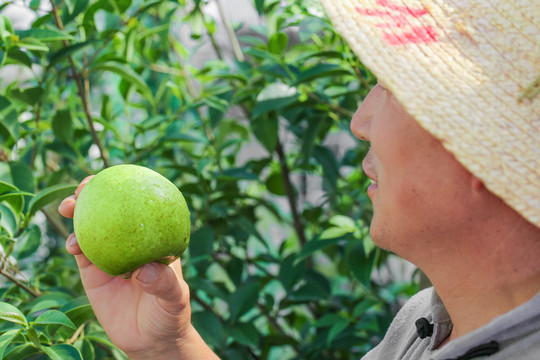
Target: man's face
x: 420, y: 192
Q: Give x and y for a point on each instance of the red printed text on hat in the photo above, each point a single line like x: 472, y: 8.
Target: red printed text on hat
x: 396, y: 23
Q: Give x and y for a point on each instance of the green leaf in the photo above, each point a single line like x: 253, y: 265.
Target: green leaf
x: 100, y: 337
x: 310, y: 26
x: 29, y: 244
x: 343, y: 221
x: 321, y: 70
x: 243, y: 173
x: 277, y: 43
x: 86, y: 349
x: 128, y: 75
x: 34, y: 337
x: 334, y: 232
x: 245, y: 334
x: 6, y: 28
x: 24, y: 351
x: 274, y: 97
x: 50, y: 300
x: 9, y: 221
x: 34, y: 5
x: 201, y: 244
x: 363, y: 307
x: 32, y: 44
x: 10, y: 313
x: 243, y: 299
x: 274, y: 184
x: 307, y: 293
x: 43, y: 34
x: 22, y: 175
x: 249, y: 227
x: 78, y: 7
x: 54, y: 317
x: 16, y: 56
x: 79, y: 310
x: 336, y: 329
x: 209, y: 326
x: 5, y: 340
x: 76, y: 304
x: 309, y: 138
x: 64, y: 52
x: 329, y: 165
x: 328, y: 320
x: 291, y: 272
x: 207, y: 286
x: 11, y: 194
x: 9, y: 123
x: 30, y: 96
x: 48, y: 195
x: 360, y: 263
x: 316, y: 244
x: 234, y: 269
x: 265, y: 130
x: 6, y: 188
x: 62, y: 126
x: 62, y: 352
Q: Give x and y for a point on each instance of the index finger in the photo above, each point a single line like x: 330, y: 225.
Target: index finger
x: 82, y: 184
x: 67, y: 206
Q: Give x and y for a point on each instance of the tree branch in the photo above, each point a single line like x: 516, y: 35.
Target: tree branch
x: 82, y: 92
x: 34, y: 293
x: 298, y: 226
x: 230, y: 31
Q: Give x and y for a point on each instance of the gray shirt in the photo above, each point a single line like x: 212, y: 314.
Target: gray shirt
x: 514, y: 335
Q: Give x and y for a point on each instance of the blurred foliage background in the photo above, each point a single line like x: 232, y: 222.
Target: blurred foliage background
x: 245, y: 106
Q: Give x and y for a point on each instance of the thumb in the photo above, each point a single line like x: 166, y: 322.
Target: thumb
x: 163, y: 282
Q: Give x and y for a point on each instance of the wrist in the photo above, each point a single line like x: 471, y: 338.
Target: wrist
x: 190, y: 346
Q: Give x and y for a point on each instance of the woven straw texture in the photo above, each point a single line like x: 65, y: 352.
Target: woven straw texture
x: 466, y: 71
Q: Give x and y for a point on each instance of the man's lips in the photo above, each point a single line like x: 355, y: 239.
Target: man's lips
x: 370, y: 173
x: 369, y: 170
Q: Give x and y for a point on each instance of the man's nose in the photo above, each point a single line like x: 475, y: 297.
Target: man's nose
x: 361, y: 120
x: 359, y: 124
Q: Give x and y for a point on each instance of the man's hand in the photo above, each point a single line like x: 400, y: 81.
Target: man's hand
x: 147, y: 316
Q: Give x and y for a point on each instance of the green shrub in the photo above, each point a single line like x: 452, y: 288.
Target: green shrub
x: 276, y: 269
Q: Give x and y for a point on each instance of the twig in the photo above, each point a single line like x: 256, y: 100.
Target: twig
x: 82, y: 92
x: 206, y: 307
x: 34, y: 136
x: 58, y: 226
x: 335, y: 108
x: 34, y: 293
x: 77, y: 333
x: 230, y: 31
x: 276, y: 325
x: 298, y: 226
x: 361, y: 77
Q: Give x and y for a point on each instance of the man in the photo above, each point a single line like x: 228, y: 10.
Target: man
x: 454, y: 126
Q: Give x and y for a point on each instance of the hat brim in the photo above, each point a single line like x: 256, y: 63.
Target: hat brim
x: 463, y: 72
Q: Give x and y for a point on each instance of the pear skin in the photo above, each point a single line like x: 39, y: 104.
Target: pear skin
x: 127, y: 216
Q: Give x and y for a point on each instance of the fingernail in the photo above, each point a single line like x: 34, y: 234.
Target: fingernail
x: 73, y: 241
x: 147, y: 274
x: 64, y: 202
x: 82, y: 184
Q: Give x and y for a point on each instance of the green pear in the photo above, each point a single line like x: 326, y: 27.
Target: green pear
x: 127, y: 216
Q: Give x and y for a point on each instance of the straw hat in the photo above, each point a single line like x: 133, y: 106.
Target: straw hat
x: 469, y: 72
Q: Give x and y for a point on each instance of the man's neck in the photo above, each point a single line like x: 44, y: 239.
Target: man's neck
x: 503, y: 274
